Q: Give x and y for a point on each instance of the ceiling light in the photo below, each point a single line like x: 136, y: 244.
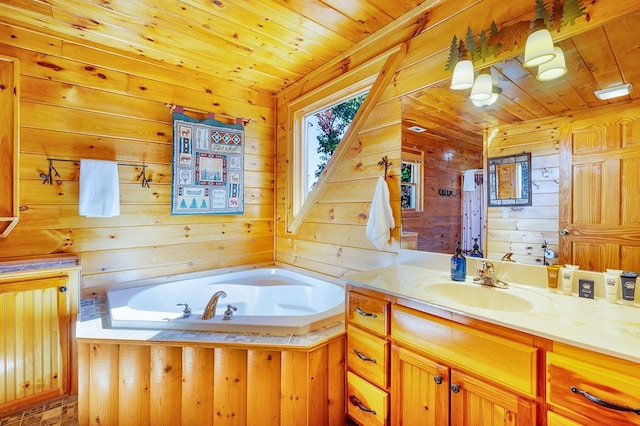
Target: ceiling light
x: 539, y: 46
x: 614, y: 91
x: 495, y: 93
x: 463, y: 73
x: 553, y: 69
x: 417, y: 129
x: 482, y: 88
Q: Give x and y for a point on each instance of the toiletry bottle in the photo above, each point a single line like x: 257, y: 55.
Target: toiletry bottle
x: 458, y: 265
x: 476, y: 249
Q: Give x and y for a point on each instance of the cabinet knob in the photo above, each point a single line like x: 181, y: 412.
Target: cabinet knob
x: 455, y: 388
x: 438, y: 379
x: 565, y: 232
x: 62, y: 289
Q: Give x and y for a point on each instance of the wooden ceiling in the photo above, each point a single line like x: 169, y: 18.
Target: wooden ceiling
x: 263, y: 45
x: 600, y: 58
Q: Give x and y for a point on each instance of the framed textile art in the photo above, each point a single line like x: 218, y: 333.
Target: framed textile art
x: 208, y: 167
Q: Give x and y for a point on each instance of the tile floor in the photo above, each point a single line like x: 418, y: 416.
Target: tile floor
x: 61, y: 412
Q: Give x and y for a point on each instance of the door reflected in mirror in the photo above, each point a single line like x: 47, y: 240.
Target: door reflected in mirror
x: 509, y: 180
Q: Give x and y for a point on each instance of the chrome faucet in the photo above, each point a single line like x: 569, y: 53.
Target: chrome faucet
x: 487, y: 276
x: 210, y: 309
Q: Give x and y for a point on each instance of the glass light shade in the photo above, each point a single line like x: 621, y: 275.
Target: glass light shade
x: 539, y: 47
x: 492, y: 100
x: 553, y: 69
x: 462, y: 75
x: 482, y: 88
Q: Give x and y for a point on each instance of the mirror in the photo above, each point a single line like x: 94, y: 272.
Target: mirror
x: 454, y: 136
x: 509, y: 180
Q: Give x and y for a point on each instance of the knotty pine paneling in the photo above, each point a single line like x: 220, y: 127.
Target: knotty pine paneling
x: 148, y: 384
x: 78, y: 102
x: 522, y: 230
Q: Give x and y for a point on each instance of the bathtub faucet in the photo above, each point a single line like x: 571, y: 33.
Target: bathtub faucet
x: 210, y: 309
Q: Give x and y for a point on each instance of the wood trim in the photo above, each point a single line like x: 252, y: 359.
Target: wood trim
x: 378, y: 88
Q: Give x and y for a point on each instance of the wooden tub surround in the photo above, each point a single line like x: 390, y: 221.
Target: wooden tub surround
x: 152, y: 377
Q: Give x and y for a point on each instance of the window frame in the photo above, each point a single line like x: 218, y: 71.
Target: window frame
x: 416, y: 159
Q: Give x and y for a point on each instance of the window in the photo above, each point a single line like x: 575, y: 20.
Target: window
x: 411, y: 181
x: 319, y: 121
x: 324, y: 130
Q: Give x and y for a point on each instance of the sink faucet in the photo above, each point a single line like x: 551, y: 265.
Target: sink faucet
x: 507, y: 257
x: 487, y: 276
x: 210, y: 309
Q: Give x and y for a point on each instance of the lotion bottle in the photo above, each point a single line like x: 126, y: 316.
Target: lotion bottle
x: 458, y: 265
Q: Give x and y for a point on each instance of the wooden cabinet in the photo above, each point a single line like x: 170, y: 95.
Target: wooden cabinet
x: 37, y: 315
x: 592, y: 388
x: 367, y: 359
x: 444, y: 371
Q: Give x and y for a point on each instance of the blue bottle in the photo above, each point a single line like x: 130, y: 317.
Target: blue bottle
x: 458, y: 265
x: 476, y: 249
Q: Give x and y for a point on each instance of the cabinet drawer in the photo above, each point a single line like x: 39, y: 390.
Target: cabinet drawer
x: 368, y: 313
x: 578, y: 386
x: 366, y: 404
x: 495, y: 358
x: 367, y: 355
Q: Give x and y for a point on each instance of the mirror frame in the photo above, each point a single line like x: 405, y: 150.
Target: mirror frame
x: 524, y: 159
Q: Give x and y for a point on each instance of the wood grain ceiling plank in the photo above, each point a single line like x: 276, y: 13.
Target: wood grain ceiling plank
x: 36, y: 7
x: 362, y: 12
x: 595, y: 50
x: 395, y: 8
x: 624, y: 38
x: 332, y: 19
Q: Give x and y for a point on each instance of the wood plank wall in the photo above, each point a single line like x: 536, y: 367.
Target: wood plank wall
x: 81, y: 102
x: 439, y: 225
x: 154, y: 384
x: 522, y: 230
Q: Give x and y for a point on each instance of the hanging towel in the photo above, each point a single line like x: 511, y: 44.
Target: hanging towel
x: 99, y: 189
x: 469, y: 180
x: 380, y: 220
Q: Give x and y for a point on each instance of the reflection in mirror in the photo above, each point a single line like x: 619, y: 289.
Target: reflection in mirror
x: 509, y: 180
x: 454, y: 125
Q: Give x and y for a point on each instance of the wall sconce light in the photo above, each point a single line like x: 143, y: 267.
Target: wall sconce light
x: 553, y: 69
x: 539, y: 46
x: 482, y: 88
x: 495, y: 93
x: 463, y: 72
x: 614, y: 91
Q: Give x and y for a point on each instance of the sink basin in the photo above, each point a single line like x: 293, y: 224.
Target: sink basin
x: 478, y: 296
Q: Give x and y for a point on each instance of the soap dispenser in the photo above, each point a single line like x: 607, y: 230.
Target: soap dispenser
x: 476, y: 249
x: 458, y: 265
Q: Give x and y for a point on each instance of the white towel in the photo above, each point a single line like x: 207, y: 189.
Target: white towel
x: 99, y: 189
x: 380, y: 220
x: 469, y: 180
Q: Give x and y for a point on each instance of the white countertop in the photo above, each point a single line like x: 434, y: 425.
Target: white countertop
x: 593, y: 324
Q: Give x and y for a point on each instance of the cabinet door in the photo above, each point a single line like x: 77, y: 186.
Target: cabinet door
x: 419, y: 390
x: 474, y: 402
x: 35, y: 349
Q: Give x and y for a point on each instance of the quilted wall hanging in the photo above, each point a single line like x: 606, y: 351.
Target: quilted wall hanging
x: 208, y: 166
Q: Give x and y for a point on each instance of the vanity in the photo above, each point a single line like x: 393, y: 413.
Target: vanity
x: 425, y: 350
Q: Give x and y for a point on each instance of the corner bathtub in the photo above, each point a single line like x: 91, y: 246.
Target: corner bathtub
x: 268, y: 300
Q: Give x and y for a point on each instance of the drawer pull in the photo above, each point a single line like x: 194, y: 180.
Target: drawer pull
x: 355, y: 401
x: 604, y: 403
x: 364, y: 314
x: 364, y: 357
x: 455, y: 388
x: 437, y: 379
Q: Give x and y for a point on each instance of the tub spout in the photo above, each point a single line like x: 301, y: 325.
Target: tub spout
x: 210, y: 309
